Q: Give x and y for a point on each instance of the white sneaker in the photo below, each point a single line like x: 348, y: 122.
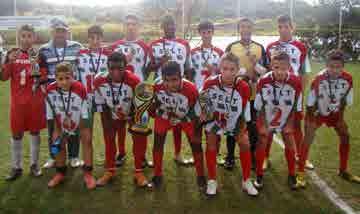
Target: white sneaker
x: 49, y: 164
x: 249, y: 188
x: 309, y: 165
x: 76, y: 162
x: 211, y: 187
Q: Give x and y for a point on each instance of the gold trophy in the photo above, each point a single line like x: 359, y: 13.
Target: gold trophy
x: 206, y: 106
x: 144, y: 96
x: 35, y: 69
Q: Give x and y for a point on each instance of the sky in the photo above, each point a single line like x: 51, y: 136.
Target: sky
x: 113, y: 2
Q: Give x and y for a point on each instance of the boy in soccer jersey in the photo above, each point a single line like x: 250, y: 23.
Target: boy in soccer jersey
x: 297, y: 52
x: 117, y: 89
x: 138, y: 56
x: 167, y: 48
x: 229, y: 97
x: 175, y: 99
x: 331, y: 92
x: 26, y: 101
x: 278, y: 101
x: 60, y: 49
x: 67, y: 106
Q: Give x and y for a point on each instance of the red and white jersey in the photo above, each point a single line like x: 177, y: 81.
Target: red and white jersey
x: 19, y: 72
x: 295, y: 49
x: 119, y: 97
x: 328, y: 95
x: 229, y: 105
x: 67, y: 107
x: 177, y: 107
x: 177, y: 49
x: 140, y: 52
x: 200, y: 57
x: 278, y: 99
x: 89, y: 64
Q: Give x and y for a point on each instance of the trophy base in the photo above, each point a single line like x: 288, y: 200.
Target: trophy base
x: 140, y: 130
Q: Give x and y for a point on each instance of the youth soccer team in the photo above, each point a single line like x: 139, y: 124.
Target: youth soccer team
x: 246, y: 94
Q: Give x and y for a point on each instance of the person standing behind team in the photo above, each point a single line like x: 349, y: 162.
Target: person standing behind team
x: 172, y: 48
x: 298, y: 55
x: 253, y: 60
x: 138, y: 56
x: 58, y: 50
x: 26, y: 103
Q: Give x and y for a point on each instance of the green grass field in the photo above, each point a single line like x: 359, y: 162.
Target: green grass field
x: 179, y: 193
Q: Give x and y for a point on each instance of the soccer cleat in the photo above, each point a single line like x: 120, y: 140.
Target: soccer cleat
x: 249, y: 188
x: 211, y: 187
x: 309, y: 165
x: 229, y: 163
x: 201, y: 182
x: 49, y: 164
x: 349, y: 177
x: 184, y: 162
x: 156, y: 182
x: 147, y: 163
x: 14, y: 174
x: 292, y: 182
x: 266, y: 164
x: 140, y: 179
x: 220, y: 160
x: 105, y: 179
x: 120, y: 160
x: 76, y: 162
x: 300, y: 180
x: 35, y: 170
x: 56, y: 180
x: 259, y: 182
x: 89, y: 181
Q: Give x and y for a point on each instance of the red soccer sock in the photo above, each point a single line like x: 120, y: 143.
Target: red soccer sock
x: 177, y: 140
x: 158, y: 159
x: 344, y: 149
x: 245, y: 159
x: 211, y: 163
x: 110, y: 150
x: 121, y: 139
x: 268, y: 145
x: 139, y: 149
x: 290, y: 158
x: 260, y: 157
x: 304, y: 153
x: 299, y: 138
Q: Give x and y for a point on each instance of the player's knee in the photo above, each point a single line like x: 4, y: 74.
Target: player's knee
x: 18, y: 136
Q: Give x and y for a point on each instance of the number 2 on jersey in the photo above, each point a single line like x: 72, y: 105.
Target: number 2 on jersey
x: 276, y: 119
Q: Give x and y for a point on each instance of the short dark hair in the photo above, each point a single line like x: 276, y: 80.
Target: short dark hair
x: 167, y: 19
x: 284, y: 19
x: 63, y: 67
x: 28, y: 28
x: 133, y: 17
x: 96, y: 29
x: 117, y: 57
x: 245, y: 19
x: 171, y: 68
x: 229, y: 56
x: 280, y: 55
x: 335, y: 55
x: 206, y: 25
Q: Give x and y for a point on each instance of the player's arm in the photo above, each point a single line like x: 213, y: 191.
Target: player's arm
x: 8, y: 67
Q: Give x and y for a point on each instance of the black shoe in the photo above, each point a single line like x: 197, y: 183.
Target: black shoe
x: 120, y: 160
x: 14, y: 174
x: 201, y: 182
x: 259, y: 182
x: 156, y: 182
x: 147, y: 163
x: 229, y: 163
x: 292, y: 182
x: 35, y: 170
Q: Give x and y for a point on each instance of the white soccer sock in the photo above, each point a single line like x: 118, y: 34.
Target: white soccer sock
x: 34, y: 149
x: 16, y: 153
